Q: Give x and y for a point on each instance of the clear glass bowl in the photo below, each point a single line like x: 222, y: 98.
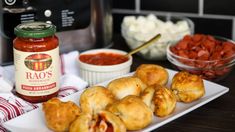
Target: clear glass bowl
x: 213, y: 70
x: 157, y: 51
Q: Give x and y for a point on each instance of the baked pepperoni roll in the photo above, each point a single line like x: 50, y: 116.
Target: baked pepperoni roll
x: 133, y: 112
x: 59, y: 115
x: 164, y: 101
x: 147, y: 96
x: 105, y: 121
x: 124, y: 86
x: 187, y: 87
x: 95, y: 98
x: 152, y: 74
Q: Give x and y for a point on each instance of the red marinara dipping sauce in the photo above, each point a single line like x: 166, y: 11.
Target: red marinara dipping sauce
x: 103, y: 58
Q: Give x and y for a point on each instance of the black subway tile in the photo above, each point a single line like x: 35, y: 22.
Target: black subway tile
x: 124, y: 4
x: 218, y: 27
x: 187, y: 6
x: 219, y: 7
x: 117, y: 21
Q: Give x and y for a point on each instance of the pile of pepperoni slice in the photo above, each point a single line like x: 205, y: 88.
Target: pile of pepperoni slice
x: 206, y: 52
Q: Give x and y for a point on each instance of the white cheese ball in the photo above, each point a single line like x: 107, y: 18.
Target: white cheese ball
x: 137, y: 30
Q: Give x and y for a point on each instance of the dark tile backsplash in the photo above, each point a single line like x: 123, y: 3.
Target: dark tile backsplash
x: 190, y: 6
x: 124, y: 4
x: 219, y: 27
x: 215, y: 17
x: 117, y: 20
x: 221, y: 7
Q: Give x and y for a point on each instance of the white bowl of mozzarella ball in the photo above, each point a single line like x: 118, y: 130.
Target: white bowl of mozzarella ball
x: 138, y: 29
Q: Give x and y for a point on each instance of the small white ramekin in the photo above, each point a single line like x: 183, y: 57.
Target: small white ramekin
x: 94, y: 74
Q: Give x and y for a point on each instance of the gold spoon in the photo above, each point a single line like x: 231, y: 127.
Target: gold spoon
x: 144, y: 45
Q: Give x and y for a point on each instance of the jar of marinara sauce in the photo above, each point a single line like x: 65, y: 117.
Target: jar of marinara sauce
x: 36, y: 60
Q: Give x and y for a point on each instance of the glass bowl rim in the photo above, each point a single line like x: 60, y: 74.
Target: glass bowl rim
x: 174, y: 59
x: 205, y: 61
x: 166, y: 18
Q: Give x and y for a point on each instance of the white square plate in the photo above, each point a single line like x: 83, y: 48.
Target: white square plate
x: 34, y: 120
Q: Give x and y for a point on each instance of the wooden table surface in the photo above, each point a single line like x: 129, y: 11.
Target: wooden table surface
x: 215, y: 116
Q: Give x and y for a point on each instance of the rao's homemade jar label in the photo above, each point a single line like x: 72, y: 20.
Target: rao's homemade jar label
x: 36, y: 60
x: 37, y: 73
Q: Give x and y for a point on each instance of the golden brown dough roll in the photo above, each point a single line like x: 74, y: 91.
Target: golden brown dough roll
x: 95, y: 98
x: 187, y: 87
x: 82, y: 123
x: 105, y: 122
x: 133, y: 112
x: 147, y: 97
x: 164, y: 101
x: 124, y: 86
x: 59, y: 115
x: 152, y: 74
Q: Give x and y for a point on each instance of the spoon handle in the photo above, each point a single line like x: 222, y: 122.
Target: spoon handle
x: 144, y: 45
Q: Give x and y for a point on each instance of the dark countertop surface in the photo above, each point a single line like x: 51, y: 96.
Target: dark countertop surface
x: 215, y: 116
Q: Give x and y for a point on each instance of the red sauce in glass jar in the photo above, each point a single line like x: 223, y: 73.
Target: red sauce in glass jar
x: 36, y: 60
x: 103, y: 58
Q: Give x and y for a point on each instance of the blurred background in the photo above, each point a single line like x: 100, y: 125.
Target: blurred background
x: 215, y: 17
